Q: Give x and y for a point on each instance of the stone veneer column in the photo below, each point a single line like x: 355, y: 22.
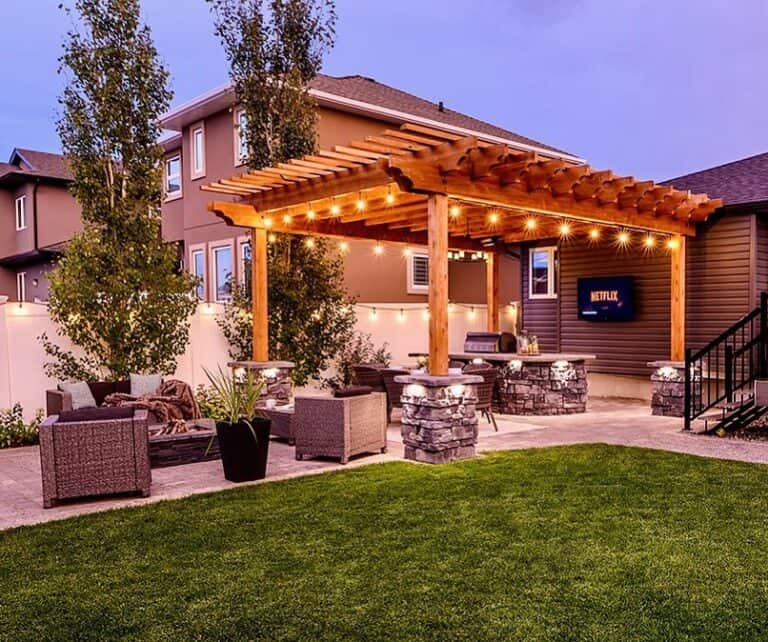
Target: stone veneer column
x: 542, y: 388
x: 277, y: 375
x: 439, y: 419
x: 668, y: 394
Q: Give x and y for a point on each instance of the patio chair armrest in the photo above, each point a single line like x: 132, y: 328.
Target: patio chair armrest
x: 57, y: 401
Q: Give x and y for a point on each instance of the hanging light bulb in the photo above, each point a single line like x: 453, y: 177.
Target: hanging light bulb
x: 673, y: 243
x: 390, y: 198
x: 343, y: 246
x: 493, y: 218
x: 272, y: 238
x: 451, y: 307
x: 335, y: 209
x: 374, y: 314
x: 594, y: 234
x: 310, y: 242
x: 530, y: 223
x: 287, y: 219
x: 407, y: 252
x: 378, y: 249
x: 623, y: 238
x: 564, y: 229
x: 267, y: 223
x: 649, y: 241
x: 455, y: 211
x: 401, y: 316
x: 360, y: 202
x: 310, y: 214
x: 471, y: 314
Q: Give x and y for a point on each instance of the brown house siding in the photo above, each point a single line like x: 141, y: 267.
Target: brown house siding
x: 761, y: 255
x: 718, y: 288
x: 620, y: 347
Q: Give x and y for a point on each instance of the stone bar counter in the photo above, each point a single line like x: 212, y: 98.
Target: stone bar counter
x: 542, y: 384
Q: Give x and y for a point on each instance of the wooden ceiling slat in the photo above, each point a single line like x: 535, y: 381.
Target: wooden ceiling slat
x: 352, y: 151
x: 377, y: 147
x: 432, y: 133
x: 424, y: 140
x: 356, y: 158
x: 309, y: 170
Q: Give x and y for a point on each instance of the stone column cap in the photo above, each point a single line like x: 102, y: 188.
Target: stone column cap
x: 438, y: 381
x: 666, y: 364
x: 261, y: 365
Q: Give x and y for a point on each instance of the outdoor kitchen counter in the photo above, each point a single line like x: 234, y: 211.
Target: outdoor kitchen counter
x: 543, y: 384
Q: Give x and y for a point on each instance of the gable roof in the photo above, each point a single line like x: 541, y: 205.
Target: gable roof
x: 45, y: 164
x: 358, y: 94
x: 738, y: 182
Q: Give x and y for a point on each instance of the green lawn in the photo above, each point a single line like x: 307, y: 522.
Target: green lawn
x: 585, y: 542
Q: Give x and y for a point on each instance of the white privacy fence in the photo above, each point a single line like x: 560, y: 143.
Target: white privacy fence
x: 22, y: 379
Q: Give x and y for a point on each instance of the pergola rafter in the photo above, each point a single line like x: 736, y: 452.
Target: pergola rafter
x: 410, y: 184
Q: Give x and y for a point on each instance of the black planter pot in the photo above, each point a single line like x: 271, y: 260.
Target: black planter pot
x: 243, y: 458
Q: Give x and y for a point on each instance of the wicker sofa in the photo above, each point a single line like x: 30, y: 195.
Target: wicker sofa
x: 58, y: 401
x: 86, y: 457
x: 342, y: 427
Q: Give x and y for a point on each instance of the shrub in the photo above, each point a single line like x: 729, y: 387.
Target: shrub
x: 14, y: 431
x: 359, y: 349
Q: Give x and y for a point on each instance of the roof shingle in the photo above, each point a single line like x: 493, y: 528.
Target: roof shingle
x: 737, y: 182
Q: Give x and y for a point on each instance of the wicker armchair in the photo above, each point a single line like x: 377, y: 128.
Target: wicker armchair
x: 485, y: 389
x: 340, y: 426
x: 97, y: 457
x: 369, y: 374
x: 393, y: 388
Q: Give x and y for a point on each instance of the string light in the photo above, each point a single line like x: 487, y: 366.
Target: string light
x: 455, y: 211
x: 310, y: 214
x: 425, y: 314
x: 272, y: 238
x: 374, y: 314
x: 343, y: 246
x: 310, y: 242
x: 401, y: 316
x: 378, y: 249
x: 360, y: 202
x: 471, y: 314
x: 565, y: 229
x: 594, y: 233
x: 673, y: 244
x: 493, y: 218
x: 623, y: 238
x: 287, y: 219
x: 530, y: 223
x: 451, y: 307
x: 407, y: 252
x: 335, y: 209
x: 649, y: 241
x: 390, y: 196
x: 267, y: 223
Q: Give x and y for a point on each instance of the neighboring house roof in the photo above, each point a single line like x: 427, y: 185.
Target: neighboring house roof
x: 738, y: 182
x: 358, y: 94
x: 28, y: 164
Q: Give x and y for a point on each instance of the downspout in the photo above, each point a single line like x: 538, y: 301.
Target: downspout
x: 34, y: 213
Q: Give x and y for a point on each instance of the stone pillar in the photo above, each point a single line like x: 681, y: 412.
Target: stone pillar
x: 668, y: 395
x: 277, y: 375
x: 439, y: 418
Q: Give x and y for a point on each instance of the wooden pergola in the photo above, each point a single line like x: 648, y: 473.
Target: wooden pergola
x: 425, y: 187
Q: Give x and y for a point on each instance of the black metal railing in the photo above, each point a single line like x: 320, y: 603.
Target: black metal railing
x: 722, y: 373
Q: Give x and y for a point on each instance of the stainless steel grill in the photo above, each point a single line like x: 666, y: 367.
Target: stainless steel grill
x: 490, y: 342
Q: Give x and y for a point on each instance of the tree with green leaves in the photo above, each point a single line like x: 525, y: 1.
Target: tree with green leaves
x: 117, y: 292
x: 275, y: 48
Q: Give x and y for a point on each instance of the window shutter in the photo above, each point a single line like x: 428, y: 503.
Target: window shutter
x: 420, y: 270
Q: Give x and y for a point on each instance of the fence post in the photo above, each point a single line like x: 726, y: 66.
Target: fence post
x: 688, y: 390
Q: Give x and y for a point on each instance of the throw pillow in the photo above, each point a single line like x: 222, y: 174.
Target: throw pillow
x: 145, y: 384
x: 82, y: 397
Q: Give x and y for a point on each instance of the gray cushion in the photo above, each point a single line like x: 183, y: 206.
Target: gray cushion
x: 82, y: 397
x: 145, y: 384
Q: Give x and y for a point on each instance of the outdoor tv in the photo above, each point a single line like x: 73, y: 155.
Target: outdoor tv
x: 606, y: 298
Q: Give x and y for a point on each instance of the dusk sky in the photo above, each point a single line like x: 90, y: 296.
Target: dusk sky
x: 649, y: 88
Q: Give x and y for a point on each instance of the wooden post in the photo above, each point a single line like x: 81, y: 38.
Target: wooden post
x: 677, y: 301
x: 492, y: 291
x: 437, y: 215
x: 259, y: 294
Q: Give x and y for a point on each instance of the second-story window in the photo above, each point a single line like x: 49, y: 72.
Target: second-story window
x: 21, y: 213
x: 241, y: 142
x: 173, y: 177
x: 198, y: 151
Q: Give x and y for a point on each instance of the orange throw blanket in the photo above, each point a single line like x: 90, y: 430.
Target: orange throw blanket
x: 173, y: 404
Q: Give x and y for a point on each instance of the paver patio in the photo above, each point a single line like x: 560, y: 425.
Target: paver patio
x: 615, y: 422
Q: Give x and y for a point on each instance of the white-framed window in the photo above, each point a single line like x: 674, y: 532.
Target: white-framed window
x: 241, y: 144
x: 173, y: 177
x: 197, y: 150
x: 222, y: 272
x: 21, y: 286
x: 243, y: 256
x: 542, y: 272
x: 418, y: 273
x: 21, y: 213
x: 197, y: 268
